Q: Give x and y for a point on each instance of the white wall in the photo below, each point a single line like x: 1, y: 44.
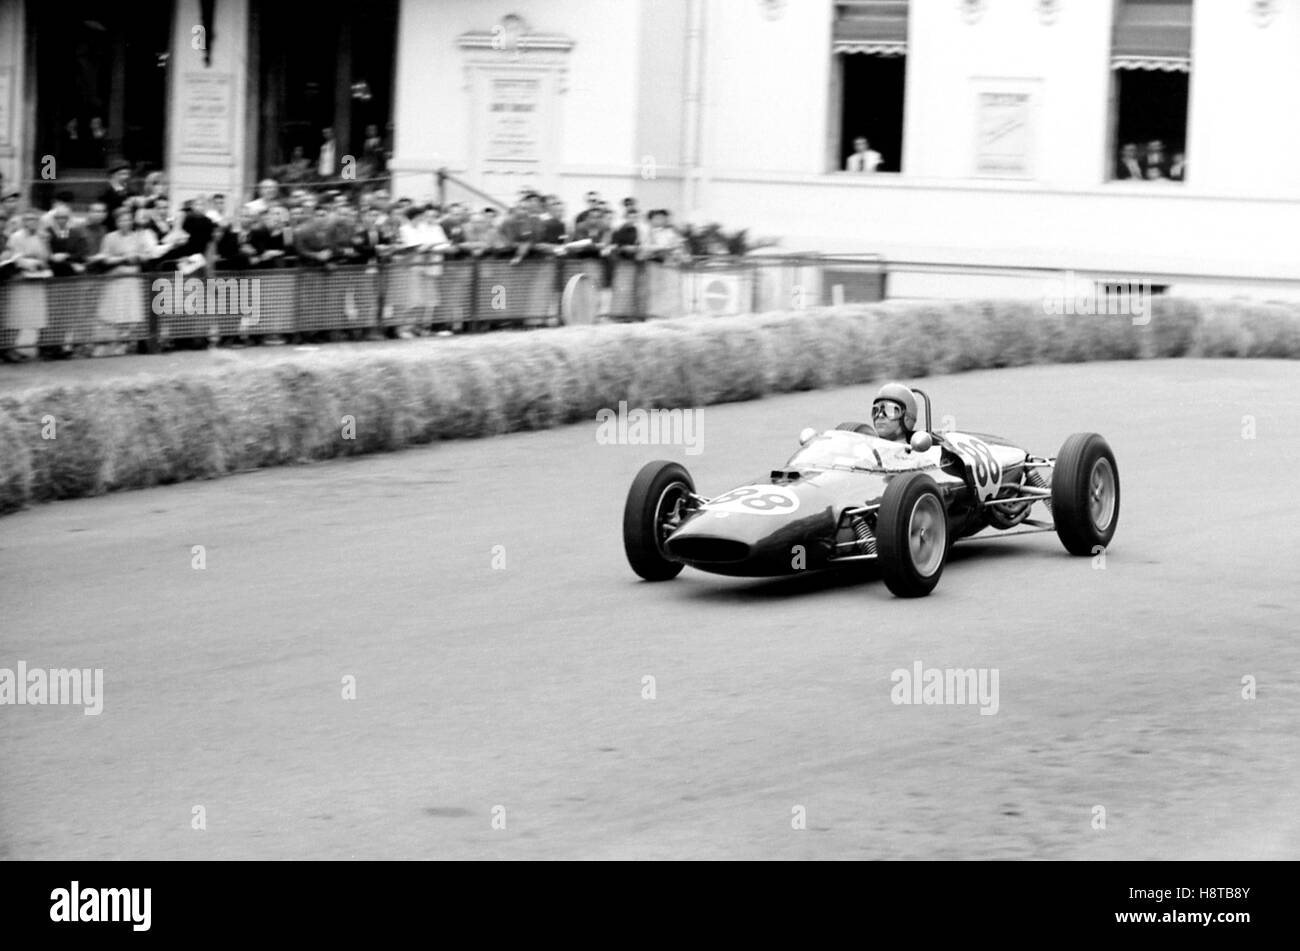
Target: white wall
x: 1245, y: 100
x: 766, y: 88
x: 598, y: 112
x: 1067, y: 61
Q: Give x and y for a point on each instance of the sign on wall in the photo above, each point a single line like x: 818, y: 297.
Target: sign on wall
x: 206, y: 116
x: 512, y: 131
x: 1004, y: 140
x: 515, y: 77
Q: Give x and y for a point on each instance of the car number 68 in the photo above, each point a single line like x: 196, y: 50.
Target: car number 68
x: 756, y: 500
x: 980, y: 458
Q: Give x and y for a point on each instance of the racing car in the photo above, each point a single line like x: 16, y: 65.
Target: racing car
x: 848, y: 496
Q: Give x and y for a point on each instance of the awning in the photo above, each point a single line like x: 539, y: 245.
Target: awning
x: 1153, y: 35
x: 876, y: 27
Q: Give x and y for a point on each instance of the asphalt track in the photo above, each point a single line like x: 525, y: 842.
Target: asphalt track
x: 521, y: 687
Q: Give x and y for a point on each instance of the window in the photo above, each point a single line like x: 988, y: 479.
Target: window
x: 1151, y: 65
x: 869, y: 43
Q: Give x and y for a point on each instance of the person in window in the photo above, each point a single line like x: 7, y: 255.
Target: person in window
x: 1177, y: 167
x: 864, y: 157
x: 1130, y: 166
x: 327, y: 164
x: 1155, y: 160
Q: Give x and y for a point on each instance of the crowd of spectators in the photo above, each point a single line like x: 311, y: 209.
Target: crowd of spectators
x: 288, y: 224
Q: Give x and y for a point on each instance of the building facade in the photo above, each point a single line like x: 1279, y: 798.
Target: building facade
x: 1000, y: 125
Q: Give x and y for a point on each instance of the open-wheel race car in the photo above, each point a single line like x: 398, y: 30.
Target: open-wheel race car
x: 848, y: 495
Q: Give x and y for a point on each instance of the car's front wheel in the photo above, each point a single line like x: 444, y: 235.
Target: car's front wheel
x: 912, y: 535
x: 656, y: 504
x: 1085, y: 494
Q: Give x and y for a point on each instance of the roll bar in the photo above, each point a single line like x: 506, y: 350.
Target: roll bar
x: 928, y: 416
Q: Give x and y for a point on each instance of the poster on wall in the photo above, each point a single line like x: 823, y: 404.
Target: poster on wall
x: 206, y: 111
x: 1004, y: 134
x: 513, y: 128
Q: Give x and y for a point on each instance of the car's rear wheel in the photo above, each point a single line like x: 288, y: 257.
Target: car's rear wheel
x: 1085, y: 494
x: 912, y: 535
x: 655, y: 506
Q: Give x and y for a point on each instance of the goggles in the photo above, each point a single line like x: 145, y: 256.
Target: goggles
x: 888, y: 409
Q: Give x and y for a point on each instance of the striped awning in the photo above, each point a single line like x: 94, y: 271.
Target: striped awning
x: 1153, y: 35
x: 875, y: 27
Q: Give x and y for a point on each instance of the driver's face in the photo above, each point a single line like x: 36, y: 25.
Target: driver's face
x: 886, y: 428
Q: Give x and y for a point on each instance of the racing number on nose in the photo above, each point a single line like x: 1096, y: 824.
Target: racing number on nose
x: 753, y: 498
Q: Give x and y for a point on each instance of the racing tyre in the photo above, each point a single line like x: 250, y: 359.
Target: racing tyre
x: 912, y: 535
x: 653, y: 511
x: 1085, y: 494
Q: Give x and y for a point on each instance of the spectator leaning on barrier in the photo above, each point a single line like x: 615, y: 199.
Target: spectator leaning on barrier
x: 217, y: 210
x: 626, y: 239
x: 268, y: 195
x: 69, y: 245
x: 521, y: 231
x: 26, y: 250
x: 121, y: 305
x: 553, y: 233
x: 480, y: 235
x: 374, y: 239
x: 343, y: 231
x: 311, y: 238
x: 160, y: 217
x: 266, y: 236
x: 664, y: 244
x: 200, y: 231
x: 235, y: 251
x: 95, y: 227
x: 27, y: 256
x: 453, y: 226
x: 593, y: 202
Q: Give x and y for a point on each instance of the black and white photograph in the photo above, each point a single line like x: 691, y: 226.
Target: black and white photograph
x: 651, y: 430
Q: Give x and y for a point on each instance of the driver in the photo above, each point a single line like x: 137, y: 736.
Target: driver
x: 893, y: 412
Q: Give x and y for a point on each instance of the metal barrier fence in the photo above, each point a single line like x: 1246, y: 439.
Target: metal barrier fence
x: 117, y: 311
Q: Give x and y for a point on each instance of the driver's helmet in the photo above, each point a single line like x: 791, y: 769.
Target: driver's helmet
x: 901, y: 394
